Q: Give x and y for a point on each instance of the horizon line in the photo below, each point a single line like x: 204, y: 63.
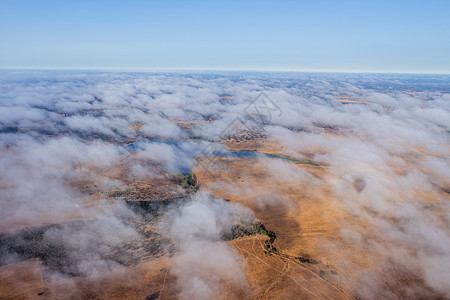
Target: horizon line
x: 216, y: 70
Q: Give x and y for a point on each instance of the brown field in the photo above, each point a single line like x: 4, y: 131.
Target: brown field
x: 305, y: 215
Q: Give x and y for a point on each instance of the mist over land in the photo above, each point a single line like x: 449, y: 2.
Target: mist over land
x: 224, y: 185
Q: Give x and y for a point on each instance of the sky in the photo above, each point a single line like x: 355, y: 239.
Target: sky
x: 324, y: 36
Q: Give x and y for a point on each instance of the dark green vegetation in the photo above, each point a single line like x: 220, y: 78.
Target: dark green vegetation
x: 59, y: 250
x: 269, y: 244
x: 187, y: 182
x: 307, y: 260
x: 55, y: 246
x: 252, y: 228
x: 153, y: 296
x: 318, y: 265
x: 244, y: 229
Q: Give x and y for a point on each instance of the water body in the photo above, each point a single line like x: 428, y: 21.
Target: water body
x: 249, y: 153
x: 178, y: 143
x: 140, y: 145
x: 181, y: 146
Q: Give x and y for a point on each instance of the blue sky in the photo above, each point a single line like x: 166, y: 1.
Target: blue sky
x: 361, y: 36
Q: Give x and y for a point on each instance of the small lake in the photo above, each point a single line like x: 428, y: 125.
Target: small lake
x: 140, y: 145
x: 248, y: 153
x: 192, y: 153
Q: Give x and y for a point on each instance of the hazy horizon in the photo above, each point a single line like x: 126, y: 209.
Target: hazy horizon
x: 168, y: 70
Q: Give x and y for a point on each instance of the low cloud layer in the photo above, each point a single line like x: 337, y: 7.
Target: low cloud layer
x: 205, y: 261
x: 62, y: 131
